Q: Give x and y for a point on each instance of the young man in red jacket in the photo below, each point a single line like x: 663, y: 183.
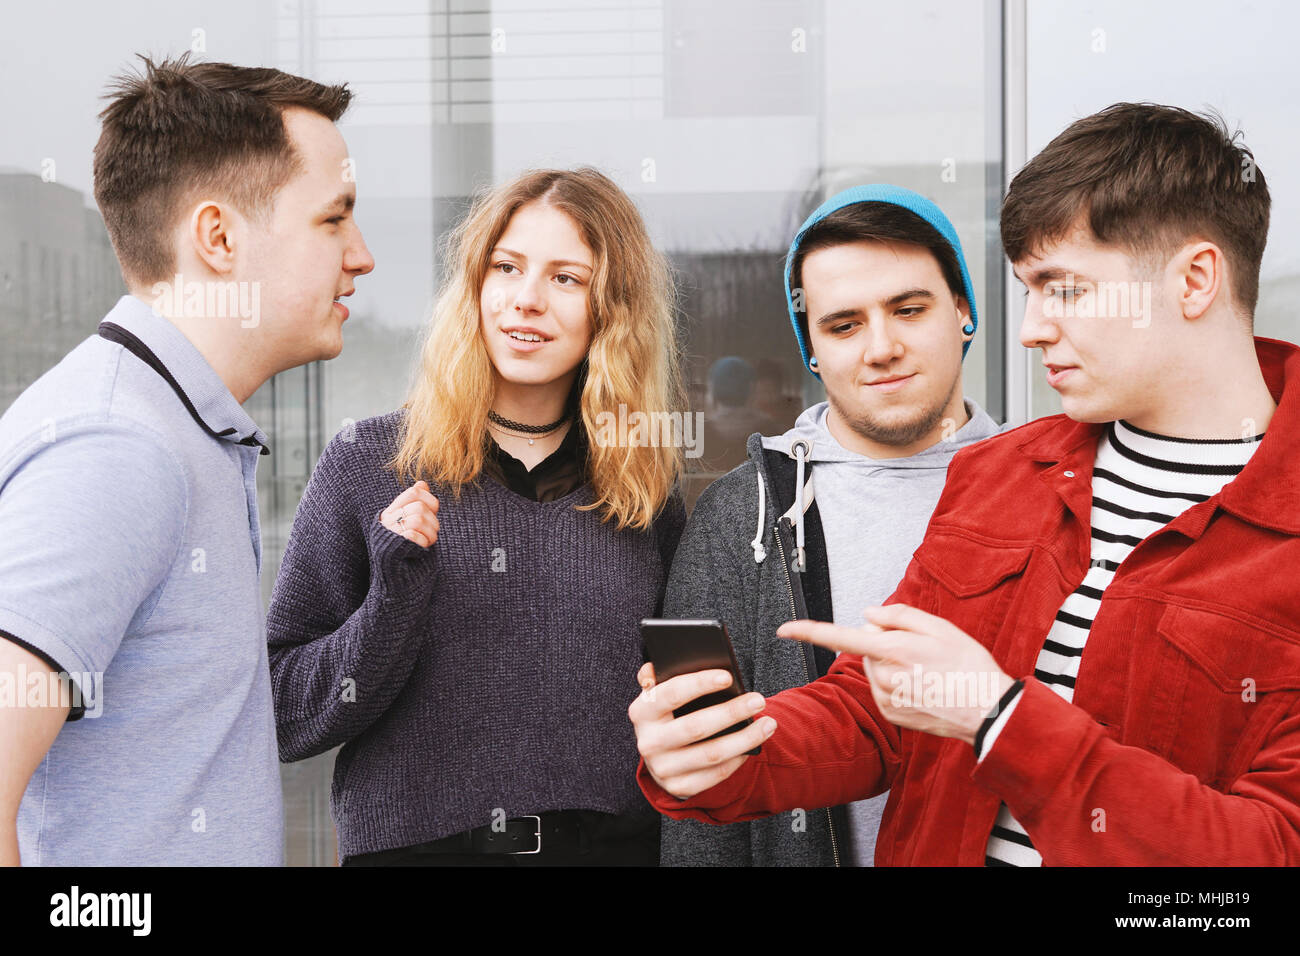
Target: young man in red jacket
x: 1093, y: 657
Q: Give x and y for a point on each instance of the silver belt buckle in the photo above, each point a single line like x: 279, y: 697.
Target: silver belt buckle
x: 537, y: 833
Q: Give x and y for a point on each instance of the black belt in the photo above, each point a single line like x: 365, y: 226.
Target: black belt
x: 577, y: 831
x: 571, y: 829
x: 525, y: 834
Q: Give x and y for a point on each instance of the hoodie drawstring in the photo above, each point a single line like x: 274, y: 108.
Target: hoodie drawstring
x: 800, y: 451
x: 760, y: 552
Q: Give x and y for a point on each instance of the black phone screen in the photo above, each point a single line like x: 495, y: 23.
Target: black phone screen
x: 677, y: 647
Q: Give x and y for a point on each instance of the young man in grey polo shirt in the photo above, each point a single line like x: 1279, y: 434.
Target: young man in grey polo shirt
x: 136, y: 723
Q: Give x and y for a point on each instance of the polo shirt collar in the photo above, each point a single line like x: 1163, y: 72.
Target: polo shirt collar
x: 195, y: 381
x: 1267, y: 491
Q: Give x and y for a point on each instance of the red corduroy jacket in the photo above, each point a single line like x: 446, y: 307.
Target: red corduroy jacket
x: 1182, y: 744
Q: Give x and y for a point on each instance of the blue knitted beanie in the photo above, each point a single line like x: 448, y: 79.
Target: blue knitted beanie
x: 897, y: 196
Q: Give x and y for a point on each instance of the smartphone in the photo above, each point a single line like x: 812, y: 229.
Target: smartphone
x: 684, y: 647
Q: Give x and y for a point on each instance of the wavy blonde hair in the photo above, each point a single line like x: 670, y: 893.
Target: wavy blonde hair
x: 633, y: 358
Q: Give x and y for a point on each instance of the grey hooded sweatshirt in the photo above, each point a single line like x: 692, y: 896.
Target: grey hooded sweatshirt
x: 753, y: 559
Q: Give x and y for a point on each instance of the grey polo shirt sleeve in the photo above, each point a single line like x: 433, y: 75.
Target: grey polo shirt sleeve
x: 90, y: 526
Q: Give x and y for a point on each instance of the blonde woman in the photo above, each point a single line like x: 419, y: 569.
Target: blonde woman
x: 458, y: 605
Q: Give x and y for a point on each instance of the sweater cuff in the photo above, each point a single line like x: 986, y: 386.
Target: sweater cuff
x: 996, y: 720
x: 390, y: 549
x: 1038, y: 747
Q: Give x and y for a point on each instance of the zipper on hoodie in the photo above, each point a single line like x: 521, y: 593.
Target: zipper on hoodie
x: 794, y: 614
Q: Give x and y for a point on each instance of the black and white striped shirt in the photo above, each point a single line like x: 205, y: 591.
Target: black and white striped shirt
x: 1141, y: 481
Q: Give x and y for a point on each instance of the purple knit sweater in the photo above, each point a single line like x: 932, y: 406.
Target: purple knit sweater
x: 491, y: 673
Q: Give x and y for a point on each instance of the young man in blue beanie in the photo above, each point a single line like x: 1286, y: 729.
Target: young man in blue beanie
x: 883, y: 311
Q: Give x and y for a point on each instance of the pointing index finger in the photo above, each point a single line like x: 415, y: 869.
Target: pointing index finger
x: 865, y: 641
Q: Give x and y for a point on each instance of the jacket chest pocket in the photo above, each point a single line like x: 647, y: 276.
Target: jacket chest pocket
x: 976, y: 580
x: 1208, y: 688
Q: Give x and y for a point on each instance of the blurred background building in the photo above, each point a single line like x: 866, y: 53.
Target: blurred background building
x: 727, y: 121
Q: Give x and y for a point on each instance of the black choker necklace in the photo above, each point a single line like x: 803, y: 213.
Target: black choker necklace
x: 534, y: 430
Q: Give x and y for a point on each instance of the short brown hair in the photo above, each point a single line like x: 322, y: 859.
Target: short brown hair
x: 182, y: 126
x: 1147, y: 178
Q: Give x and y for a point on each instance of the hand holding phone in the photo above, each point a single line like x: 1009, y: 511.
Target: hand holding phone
x: 694, y: 674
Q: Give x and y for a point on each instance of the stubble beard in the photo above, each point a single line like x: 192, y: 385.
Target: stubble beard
x: 899, y: 432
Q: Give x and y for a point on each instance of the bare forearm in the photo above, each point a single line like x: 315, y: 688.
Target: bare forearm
x: 9, y: 843
x: 26, y: 735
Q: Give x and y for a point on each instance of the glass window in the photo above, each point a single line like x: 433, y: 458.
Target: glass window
x: 728, y: 122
